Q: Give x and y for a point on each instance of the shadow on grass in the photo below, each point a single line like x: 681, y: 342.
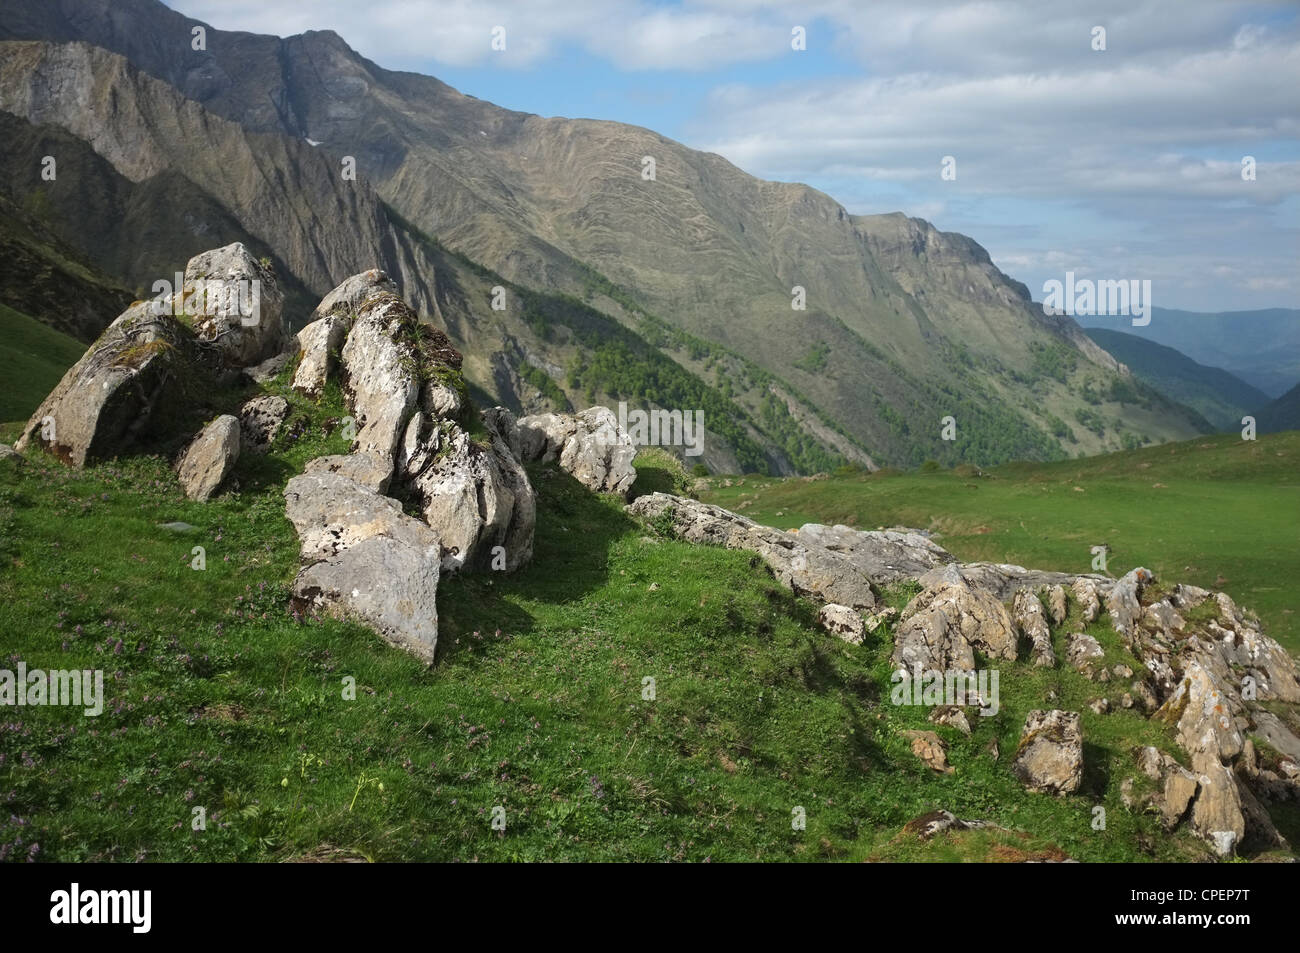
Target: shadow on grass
x: 575, y: 530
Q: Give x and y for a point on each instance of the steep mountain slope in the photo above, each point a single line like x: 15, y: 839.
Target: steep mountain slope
x: 1281, y: 414
x: 1260, y: 347
x: 1219, y: 396
x: 904, y: 325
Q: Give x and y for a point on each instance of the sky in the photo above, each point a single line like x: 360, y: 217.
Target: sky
x: 1117, y: 163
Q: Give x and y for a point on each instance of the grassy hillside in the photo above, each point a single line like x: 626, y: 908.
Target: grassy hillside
x: 1191, y: 512
x: 1281, y: 414
x: 219, y: 698
x: 34, y: 358
x: 1217, y: 395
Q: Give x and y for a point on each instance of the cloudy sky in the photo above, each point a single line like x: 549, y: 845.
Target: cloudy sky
x: 1117, y: 163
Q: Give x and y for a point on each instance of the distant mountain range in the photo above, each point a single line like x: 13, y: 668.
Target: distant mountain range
x: 1222, y: 398
x: 1260, y: 347
x: 675, y: 290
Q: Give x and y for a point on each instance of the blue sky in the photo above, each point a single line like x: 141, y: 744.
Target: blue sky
x: 1115, y: 163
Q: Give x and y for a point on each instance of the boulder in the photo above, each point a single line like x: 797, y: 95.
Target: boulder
x: 208, y: 460
x: 388, y: 584
x: 106, y: 402
x: 345, y: 300
x: 236, y: 305
x: 332, y: 513
x: 590, y: 446
x: 940, y: 629
x: 260, y: 420
x: 930, y: 748
x: 842, y: 621
x: 1056, y: 604
x: 475, y: 494
x: 318, y: 346
x: 884, y: 556
x: 1083, y: 653
x: 371, y: 470
x: 381, y: 366
x: 1032, y: 623
x: 1170, y: 791
x: 366, y: 560
x: 1049, y: 758
x: 1086, y: 595
x: 811, y: 571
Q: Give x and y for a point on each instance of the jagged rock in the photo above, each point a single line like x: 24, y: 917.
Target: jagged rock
x: 318, y: 344
x: 807, y: 570
x: 842, y: 621
x: 371, y: 470
x: 589, y: 445
x: 366, y: 559
x: 930, y: 748
x: 1172, y: 792
x: 439, y: 399
x: 385, y: 583
x: 260, y: 420
x: 208, y: 460
x: 883, y: 557
x: 1085, y: 594
x: 1217, y: 811
x: 1049, y: 758
x: 381, y: 362
x: 1056, y: 604
x: 345, y: 300
x: 1082, y: 651
x: 9, y: 453
x: 1123, y: 602
x: 476, y: 495
x: 952, y: 716
x: 1003, y: 579
x: 1032, y: 623
x: 242, y: 315
x: 332, y: 513
x: 942, y: 626
x: 106, y: 402
x: 1099, y: 706
x: 1203, y: 715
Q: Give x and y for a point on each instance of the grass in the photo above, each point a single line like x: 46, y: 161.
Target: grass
x: 35, y: 358
x: 1200, y: 511
x: 219, y: 698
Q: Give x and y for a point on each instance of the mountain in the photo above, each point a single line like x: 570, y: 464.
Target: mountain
x: 1260, y: 347
x: 904, y: 325
x: 1217, y: 395
x: 1281, y: 414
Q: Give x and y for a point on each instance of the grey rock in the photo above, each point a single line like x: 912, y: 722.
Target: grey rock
x: 811, y: 571
x: 208, y: 460
x: 228, y: 275
x: 1049, y: 758
x: 589, y: 445
x: 260, y: 420
x: 105, y: 403
x: 940, y: 629
x: 371, y: 470
x: 883, y: 556
x: 1032, y: 623
x: 842, y: 621
x: 383, y: 582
